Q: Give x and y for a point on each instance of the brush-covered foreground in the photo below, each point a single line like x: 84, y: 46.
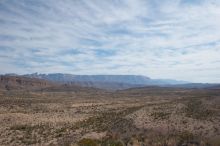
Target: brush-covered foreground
x: 134, y: 117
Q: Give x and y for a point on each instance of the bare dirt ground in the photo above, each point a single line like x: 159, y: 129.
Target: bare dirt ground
x: 134, y: 117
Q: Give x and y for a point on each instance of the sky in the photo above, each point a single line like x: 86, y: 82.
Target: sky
x: 165, y: 39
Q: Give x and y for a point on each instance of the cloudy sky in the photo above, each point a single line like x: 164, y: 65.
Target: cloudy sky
x: 175, y: 39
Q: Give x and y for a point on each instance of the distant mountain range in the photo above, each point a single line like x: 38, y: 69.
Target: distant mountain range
x: 69, y: 82
x: 109, y: 82
x: 21, y: 83
x: 124, y: 79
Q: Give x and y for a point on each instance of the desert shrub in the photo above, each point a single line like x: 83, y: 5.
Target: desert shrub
x: 196, y: 109
x: 27, y: 138
x: 28, y: 128
x: 185, y: 136
x: 30, y: 132
x: 160, y: 115
x: 20, y: 127
x: 88, y: 142
x: 106, y: 121
x: 60, y: 132
x: 111, y: 142
x: 188, y: 138
x: 214, y: 142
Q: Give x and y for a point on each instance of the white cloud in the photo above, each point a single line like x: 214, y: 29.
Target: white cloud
x: 160, y: 39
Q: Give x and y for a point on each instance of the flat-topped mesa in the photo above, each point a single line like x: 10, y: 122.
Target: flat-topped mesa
x: 17, y: 82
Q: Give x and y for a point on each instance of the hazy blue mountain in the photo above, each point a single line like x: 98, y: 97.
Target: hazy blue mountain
x: 123, y: 79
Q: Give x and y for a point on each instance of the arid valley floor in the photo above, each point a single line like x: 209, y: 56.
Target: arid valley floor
x: 150, y: 116
x: 109, y: 72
